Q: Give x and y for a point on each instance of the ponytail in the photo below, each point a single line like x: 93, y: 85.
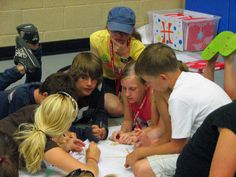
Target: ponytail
x: 32, y: 146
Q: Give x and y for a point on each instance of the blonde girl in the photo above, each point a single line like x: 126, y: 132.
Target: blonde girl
x: 52, y: 119
x: 140, y: 110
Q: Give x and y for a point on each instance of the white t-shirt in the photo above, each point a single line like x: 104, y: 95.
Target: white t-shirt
x: 191, y: 100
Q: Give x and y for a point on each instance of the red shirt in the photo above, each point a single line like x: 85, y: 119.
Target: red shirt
x: 145, y: 111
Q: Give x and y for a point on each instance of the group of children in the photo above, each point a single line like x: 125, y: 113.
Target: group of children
x: 180, y: 123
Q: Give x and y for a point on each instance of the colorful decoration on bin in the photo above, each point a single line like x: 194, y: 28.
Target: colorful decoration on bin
x: 185, y: 30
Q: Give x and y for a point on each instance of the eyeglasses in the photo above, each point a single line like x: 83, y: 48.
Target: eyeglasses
x: 80, y: 173
x: 74, y: 103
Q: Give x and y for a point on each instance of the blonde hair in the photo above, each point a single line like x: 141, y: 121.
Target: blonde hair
x: 52, y: 118
x: 129, y: 71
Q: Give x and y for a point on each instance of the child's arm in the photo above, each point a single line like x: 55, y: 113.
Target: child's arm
x: 164, y: 124
x: 128, y: 120
x: 61, y: 159
x: 127, y: 123
x: 173, y: 147
x: 155, y: 115
x: 224, y: 158
x: 100, y: 118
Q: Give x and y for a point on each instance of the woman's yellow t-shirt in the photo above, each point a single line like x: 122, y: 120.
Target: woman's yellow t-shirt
x: 100, y: 42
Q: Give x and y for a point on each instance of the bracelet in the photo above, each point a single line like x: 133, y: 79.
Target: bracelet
x: 92, y: 158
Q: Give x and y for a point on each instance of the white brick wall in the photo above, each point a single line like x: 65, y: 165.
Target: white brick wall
x: 69, y: 19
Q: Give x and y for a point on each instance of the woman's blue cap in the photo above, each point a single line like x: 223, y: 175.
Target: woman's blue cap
x: 121, y: 19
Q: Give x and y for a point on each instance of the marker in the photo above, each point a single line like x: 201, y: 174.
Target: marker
x: 100, y: 124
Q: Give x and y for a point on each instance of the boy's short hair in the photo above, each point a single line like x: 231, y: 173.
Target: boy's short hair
x: 86, y: 64
x: 156, y: 59
x: 59, y: 82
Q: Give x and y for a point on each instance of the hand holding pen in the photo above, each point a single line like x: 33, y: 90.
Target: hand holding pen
x: 99, y: 131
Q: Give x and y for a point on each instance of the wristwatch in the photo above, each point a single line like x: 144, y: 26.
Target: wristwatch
x: 125, y: 60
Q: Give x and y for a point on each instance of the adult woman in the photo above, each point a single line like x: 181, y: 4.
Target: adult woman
x: 40, y: 134
x: 116, y: 45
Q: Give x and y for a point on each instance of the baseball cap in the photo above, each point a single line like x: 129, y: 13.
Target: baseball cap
x: 121, y: 19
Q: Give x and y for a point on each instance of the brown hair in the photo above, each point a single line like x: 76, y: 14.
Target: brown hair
x: 182, y: 66
x: 156, y: 59
x: 9, y: 157
x: 86, y: 64
x: 59, y: 82
x: 135, y: 34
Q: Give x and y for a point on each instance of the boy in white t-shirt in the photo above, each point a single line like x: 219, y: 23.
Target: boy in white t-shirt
x: 192, y: 98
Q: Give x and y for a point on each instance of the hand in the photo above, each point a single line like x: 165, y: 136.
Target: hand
x: 121, y: 50
x: 21, y: 69
x: 138, y: 132
x: 115, y: 136
x: 127, y: 138
x: 131, y: 158
x: 93, y: 151
x: 100, y: 133
x: 69, y: 142
x: 73, y: 144
x: 103, y: 134
x: 142, y: 140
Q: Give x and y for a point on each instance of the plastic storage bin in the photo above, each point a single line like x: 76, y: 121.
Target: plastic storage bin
x: 183, y: 30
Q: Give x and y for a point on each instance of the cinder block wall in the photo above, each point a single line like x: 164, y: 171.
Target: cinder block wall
x: 69, y: 19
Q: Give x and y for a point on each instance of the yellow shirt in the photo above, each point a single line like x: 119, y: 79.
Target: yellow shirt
x: 100, y: 42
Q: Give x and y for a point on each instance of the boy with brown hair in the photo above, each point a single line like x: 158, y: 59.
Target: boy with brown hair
x: 86, y: 70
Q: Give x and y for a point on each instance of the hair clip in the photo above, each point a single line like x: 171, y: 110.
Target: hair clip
x: 71, y: 98
x: 65, y: 94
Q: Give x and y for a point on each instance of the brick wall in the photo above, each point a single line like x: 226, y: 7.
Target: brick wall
x: 69, y: 19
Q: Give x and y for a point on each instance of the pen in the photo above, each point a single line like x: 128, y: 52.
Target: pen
x: 100, y: 124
